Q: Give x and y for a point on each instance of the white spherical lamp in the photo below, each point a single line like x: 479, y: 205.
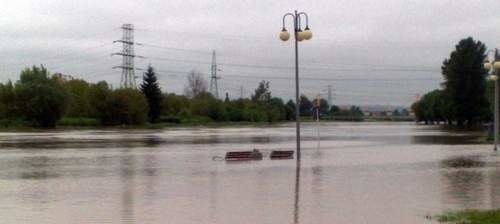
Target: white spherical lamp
x: 284, y: 35
x: 307, y: 33
x: 493, y: 77
x: 496, y: 65
x: 487, y: 66
x: 300, y: 35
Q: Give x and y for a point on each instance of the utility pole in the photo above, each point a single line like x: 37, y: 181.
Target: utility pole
x: 330, y: 95
x: 317, y: 106
x: 496, y: 102
x: 127, y: 67
x: 241, y: 92
x: 214, y: 89
x: 494, y: 67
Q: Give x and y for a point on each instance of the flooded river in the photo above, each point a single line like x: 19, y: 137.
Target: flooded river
x: 352, y: 173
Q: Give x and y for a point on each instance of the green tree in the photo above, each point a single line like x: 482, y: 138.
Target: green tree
x: 465, y: 81
x: 234, y: 110
x: 418, y: 109
x: 216, y: 109
x: 404, y: 112
x: 8, y: 106
x: 99, y: 96
x: 206, y: 105
x: 199, y: 106
x: 276, y: 110
x: 173, y: 104
x: 151, y: 89
x: 334, y: 109
x: 396, y: 112
x: 323, y: 106
x: 126, y: 106
x: 433, y: 107
x: 262, y: 93
x: 356, y: 111
x: 305, y: 106
x: 290, y: 110
x: 42, y: 100
x: 78, y: 100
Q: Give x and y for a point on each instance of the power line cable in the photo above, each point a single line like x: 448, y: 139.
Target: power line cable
x: 174, y: 49
x: 302, y: 68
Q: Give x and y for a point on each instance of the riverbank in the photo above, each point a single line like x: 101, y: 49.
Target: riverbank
x: 25, y: 128
x: 85, y: 123
x: 90, y: 123
x: 471, y: 216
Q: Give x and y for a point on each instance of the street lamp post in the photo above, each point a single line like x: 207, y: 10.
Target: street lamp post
x: 494, y: 67
x: 299, y: 35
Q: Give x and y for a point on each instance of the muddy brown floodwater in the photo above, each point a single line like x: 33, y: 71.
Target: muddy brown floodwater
x: 356, y: 173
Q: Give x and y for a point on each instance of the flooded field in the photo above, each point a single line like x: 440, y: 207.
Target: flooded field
x: 353, y: 173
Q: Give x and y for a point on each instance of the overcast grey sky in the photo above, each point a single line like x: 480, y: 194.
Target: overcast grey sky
x: 402, y: 43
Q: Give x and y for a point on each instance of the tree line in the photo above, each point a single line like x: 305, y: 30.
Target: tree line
x: 466, y: 96
x: 41, y: 99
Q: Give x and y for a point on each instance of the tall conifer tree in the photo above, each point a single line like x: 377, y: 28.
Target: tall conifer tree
x: 465, y: 83
x: 152, y: 91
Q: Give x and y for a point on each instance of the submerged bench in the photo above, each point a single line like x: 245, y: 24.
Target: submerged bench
x: 243, y: 156
x: 285, y: 154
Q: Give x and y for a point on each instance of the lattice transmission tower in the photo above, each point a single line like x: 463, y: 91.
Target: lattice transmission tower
x: 128, y: 70
x: 330, y: 97
x: 214, y: 89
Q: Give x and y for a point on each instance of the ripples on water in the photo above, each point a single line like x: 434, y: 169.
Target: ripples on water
x: 357, y: 173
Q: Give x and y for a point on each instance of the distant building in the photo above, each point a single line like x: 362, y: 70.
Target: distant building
x: 384, y: 110
x: 63, y: 77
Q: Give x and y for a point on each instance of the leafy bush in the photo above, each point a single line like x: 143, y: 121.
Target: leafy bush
x: 125, y: 106
x: 41, y: 100
x: 79, y: 121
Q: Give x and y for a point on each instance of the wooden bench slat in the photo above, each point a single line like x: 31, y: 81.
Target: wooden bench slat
x: 250, y: 155
x: 238, y: 155
x: 282, y: 154
x: 242, y: 156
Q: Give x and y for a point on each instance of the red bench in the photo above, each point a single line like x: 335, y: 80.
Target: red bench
x: 284, y: 154
x: 239, y: 156
x: 243, y: 155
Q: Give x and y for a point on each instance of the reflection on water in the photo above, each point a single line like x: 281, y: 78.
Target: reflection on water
x: 296, y: 208
x: 462, y: 162
x: 36, y: 167
x: 464, y: 188
x: 152, y: 141
x: 494, y: 187
x: 127, y: 176
x: 470, y: 183
x: 352, y: 173
x: 446, y: 140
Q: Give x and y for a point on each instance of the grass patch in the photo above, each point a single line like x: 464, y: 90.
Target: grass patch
x: 78, y: 122
x: 471, y: 217
x: 13, y: 123
x: 462, y: 162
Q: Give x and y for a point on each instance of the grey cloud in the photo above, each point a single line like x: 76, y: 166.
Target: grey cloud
x: 360, y: 34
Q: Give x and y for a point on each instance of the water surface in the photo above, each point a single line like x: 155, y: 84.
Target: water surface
x: 355, y: 173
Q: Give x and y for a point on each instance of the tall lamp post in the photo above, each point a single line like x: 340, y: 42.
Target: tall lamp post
x: 299, y: 35
x: 494, y: 67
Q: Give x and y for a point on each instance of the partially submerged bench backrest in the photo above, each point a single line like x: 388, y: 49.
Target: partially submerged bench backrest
x: 282, y: 154
x: 239, y: 155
